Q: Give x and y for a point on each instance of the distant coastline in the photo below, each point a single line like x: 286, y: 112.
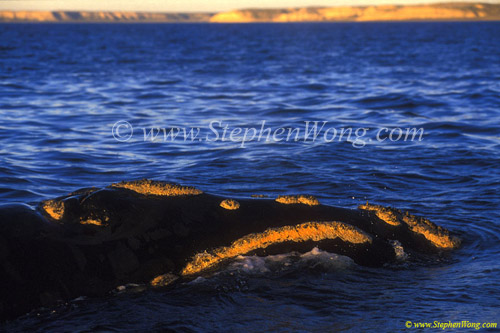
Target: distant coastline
x: 430, y: 12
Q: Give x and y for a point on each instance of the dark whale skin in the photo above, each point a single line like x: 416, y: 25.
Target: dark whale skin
x: 44, y: 260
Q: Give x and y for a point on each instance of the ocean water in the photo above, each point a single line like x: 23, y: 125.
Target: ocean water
x: 63, y: 88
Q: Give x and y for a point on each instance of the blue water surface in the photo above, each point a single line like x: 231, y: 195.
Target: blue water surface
x: 63, y: 87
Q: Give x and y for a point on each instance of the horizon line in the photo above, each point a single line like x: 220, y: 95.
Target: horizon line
x: 396, y: 3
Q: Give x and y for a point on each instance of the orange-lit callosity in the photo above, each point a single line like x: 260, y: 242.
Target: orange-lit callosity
x: 163, y: 280
x: 298, y: 199
x: 310, y: 231
x: 151, y: 187
x: 385, y: 214
x: 437, y: 235
x: 230, y: 204
x: 94, y: 221
x: 54, y: 208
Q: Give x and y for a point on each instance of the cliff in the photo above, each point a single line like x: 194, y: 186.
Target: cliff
x: 448, y: 11
x: 436, y: 12
x: 104, y: 17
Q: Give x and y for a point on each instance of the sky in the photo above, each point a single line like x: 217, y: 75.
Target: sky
x: 192, y: 5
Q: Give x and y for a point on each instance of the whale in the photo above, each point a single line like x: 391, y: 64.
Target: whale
x: 156, y: 233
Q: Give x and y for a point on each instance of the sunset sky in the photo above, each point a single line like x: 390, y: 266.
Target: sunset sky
x: 189, y: 5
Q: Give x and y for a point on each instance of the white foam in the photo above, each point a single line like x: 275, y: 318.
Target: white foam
x: 399, y: 250
x: 313, y: 259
